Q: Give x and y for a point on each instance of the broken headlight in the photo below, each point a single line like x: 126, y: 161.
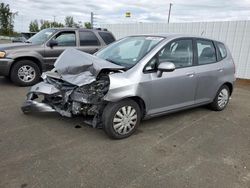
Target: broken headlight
x: 91, y: 93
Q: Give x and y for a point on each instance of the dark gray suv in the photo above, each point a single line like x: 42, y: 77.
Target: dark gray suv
x: 24, y: 62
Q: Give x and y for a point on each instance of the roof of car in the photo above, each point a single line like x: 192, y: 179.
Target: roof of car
x: 175, y: 35
x: 80, y: 29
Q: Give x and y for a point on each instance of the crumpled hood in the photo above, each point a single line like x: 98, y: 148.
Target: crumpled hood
x: 80, y: 68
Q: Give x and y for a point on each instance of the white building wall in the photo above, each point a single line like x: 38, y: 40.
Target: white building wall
x: 236, y: 34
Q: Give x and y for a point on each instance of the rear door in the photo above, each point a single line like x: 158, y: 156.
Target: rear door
x: 89, y: 42
x: 208, y: 69
x: 65, y: 39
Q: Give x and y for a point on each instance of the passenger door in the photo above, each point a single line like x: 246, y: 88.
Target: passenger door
x: 65, y: 39
x: 208, y: 70
x: 173, y: 90
x: 89, y: 42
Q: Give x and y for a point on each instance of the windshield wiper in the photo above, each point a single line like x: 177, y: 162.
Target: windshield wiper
x: 27, y: 41
x: 112, y: 61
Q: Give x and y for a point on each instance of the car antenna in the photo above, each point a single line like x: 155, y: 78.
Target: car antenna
x: 202, y: 32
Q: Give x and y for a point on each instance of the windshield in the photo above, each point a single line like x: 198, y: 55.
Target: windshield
x: 41, y: 36
x: 129, y: 51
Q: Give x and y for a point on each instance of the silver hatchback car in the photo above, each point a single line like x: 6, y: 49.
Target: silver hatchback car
x: 135, y: 78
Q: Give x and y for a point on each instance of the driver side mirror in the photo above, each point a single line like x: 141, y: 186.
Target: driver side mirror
x: 53, y: 43
x: 165, y: 67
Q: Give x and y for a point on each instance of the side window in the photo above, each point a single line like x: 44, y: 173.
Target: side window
x: 206, y: 52
x: 88, y: 38
x: 222, y: 50
x: 179, y: 52
x: 66, y: 39
x: 107, y: 37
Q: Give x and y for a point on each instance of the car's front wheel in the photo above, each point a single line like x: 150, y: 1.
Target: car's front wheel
x: 121, y: 119
x: 25, y: 73
x: 221, y: 99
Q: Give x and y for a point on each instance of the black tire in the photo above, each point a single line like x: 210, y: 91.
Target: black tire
x: 215, y: 104
x: 14, y: 73
x: 109, y: 114
x: 7, y: 77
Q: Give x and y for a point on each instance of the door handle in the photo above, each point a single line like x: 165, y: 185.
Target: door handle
x: 190, y: 74
x: 220, y: 70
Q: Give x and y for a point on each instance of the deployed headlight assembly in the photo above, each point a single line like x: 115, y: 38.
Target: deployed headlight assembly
x: 2, y: 54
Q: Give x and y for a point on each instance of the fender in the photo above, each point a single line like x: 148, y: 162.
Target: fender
x: 28, y: 55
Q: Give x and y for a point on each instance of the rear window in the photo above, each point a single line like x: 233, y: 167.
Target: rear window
x: 107, y: 37
x: 88, y: 38
x: 206, y: 52
x: 222, y: 50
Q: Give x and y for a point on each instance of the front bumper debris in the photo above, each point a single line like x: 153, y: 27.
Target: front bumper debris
x: 73, y: 88
x: 34, y: 106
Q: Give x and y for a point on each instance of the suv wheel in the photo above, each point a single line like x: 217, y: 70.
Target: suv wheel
x: 221, y: 100
x: 25, y: 73
x: 121, y: 119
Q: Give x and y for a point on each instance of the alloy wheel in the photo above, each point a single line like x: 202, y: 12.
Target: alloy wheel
x: 26, y: 73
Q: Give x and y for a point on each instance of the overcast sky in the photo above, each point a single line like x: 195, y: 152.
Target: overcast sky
x: 111, y: 11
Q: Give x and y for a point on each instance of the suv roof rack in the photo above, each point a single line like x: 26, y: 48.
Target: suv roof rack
x: 101, y: 29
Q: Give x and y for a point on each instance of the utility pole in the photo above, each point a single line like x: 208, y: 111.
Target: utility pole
x: 54, y: 19
x: 169, y: 11
x: 92, y: 20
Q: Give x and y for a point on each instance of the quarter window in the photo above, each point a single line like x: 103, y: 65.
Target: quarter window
x: 88, y: 39
x: 66, y: 39
x: 107, y: 37
x: 206, y: 52
x: 222, y: 50
x: 179, y: 52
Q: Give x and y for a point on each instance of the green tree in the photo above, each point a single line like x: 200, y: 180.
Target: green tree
x: 34, y: 26
x: 45, y: 24
x: 69, y: 21
x: 6, y: 19
x: 56, y: 24
x: 87, y: 25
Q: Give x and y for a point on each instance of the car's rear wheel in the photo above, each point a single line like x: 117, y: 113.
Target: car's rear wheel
x: 121, y: 119
x: 25, y: 73
x: 221, y: 100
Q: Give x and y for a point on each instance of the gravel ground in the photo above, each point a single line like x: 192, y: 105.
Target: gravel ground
x: 192, y: 148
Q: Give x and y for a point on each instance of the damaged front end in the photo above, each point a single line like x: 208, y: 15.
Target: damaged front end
x: 73, y: 88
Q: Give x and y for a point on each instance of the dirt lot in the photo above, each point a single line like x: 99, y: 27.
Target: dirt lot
x: 193, y: 148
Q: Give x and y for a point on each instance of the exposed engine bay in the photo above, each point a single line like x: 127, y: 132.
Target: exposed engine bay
x: 73, y: 88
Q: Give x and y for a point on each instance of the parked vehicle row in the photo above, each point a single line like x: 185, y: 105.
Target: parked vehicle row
x: 23, y: 63
x: 135, y: 78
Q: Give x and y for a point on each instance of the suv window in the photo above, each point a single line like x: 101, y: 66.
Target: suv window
x: 88, y: 38
x: 206, y: 52
x: 66, y: 39
x: 107, y: 37
x: 179, y: 52
x: 222, y: 50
